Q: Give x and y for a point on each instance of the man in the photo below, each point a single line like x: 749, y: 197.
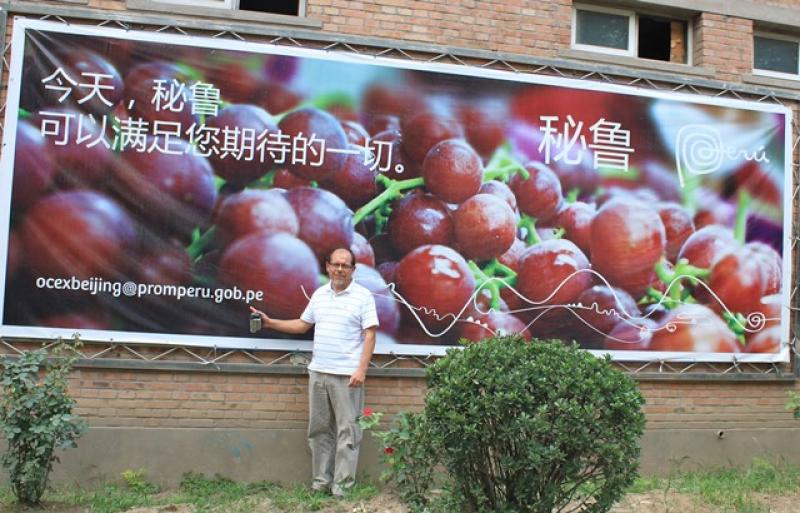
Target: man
x: 345, y: 319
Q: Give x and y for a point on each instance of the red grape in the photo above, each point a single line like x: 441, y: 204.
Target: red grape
x: 174, y: 190
x: 539, y: 195
x: 354, y: 182
x: 356, y: 134
x: 627, y: 239
x: 604, y: 308
x: 362, y: 250
x: 325, y: 221
x: 255, y: 210
x: 392, y: 159
x: 485, y: 227
x: 492, y: 324
x: 78, y: 233
x: 694, y: 328
x: 315, y: 125
x: 501, y: 190
x: 576, y: 220
x: 284, y: 179
x: 553, y: 272
x: 164, y: 263
x: 244, y: 168
x: 280, y: 265
x: 631, y: 335
x: 424, y: 130
x: 435, y: 281
x: 34, y: 166
x: 738, y: 280
x: 80, y: 165
x: 513, y: 254
x: 140, y: 84
x: 707, y: 245
x: 276, y: 98
x: 771, y: 264
x: 386, y: 304
x: 678, y: 226
x: 484, y: 123
x: 420, y: 219
x: 452, y: 171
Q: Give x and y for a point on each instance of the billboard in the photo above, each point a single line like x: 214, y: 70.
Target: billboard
x: 155, y: 186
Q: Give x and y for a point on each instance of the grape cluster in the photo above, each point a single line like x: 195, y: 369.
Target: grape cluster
x: 465, y: 234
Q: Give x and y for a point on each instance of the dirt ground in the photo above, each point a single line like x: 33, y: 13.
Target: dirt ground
x: 651, y: 502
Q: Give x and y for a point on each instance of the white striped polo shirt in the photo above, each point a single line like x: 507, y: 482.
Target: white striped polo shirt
x: 339, y: 321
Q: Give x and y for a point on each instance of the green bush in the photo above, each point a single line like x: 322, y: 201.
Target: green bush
x: 36, y: 417
x: 410, y: 456
x: 526, y: 427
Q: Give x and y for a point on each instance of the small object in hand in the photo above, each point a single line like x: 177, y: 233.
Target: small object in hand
x: 255, y: 322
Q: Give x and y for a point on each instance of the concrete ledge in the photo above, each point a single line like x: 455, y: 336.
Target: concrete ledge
x: 278, y: 455
x: 672, y: 450
x: 281, y: 455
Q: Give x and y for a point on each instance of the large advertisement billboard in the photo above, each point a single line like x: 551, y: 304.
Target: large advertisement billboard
x: 154, y: 186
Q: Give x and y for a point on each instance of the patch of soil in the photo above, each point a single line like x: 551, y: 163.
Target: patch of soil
x: 649, y: 502
x: 674, y: 502
x: 43, y: 507
x: 169, y: 508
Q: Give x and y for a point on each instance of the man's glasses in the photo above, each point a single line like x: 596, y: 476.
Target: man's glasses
x: 341, y: 267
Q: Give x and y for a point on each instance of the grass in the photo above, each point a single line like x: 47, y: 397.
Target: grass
x: 731, y: 489
x: 205, y: 494
x: 737, y: 490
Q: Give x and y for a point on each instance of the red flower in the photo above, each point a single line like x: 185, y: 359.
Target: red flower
x: 389, y: 450
x: 367, y: 412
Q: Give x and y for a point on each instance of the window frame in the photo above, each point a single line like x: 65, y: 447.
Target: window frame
x: 770, y: 73
x: 633, y: 32
x: 217, y: 8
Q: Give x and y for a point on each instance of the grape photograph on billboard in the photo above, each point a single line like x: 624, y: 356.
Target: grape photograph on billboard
x: 156, y: 186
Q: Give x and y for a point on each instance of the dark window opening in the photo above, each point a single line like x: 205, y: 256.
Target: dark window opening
x: 655, y: 38
x: 288, y: 7
x: 663, y: 39
x: 775, y: 55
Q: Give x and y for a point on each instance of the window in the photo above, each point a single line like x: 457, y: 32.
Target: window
x: 776, y: 55
x: 629, y: 33
x: 285, y: 7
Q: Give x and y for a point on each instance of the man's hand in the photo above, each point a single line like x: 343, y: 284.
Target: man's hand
x: 265, y: 321
x: 294, y: 326
x: 358, y: 378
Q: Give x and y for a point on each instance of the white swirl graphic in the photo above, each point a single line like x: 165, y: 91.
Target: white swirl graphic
x: 129, y: 288
x: 698, y: 151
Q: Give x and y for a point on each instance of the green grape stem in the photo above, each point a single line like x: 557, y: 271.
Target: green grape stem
x: 394, y: 189
x: 529, y: 223
x: 201, y: 243
x: 742, y: 205
x: 482, y: 280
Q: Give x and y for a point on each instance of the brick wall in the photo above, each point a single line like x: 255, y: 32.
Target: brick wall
x: 538, y: 28
x: 725, y: 44
x: 170, y: 399
x: 115, y: 398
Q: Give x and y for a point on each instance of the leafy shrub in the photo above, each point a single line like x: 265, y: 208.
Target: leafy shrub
x: 36, y: 417
x: 410, y: 456
x: 525, y: 427
x: 136, y: 481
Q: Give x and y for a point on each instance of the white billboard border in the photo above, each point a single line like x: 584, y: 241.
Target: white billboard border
x: 21, y: 25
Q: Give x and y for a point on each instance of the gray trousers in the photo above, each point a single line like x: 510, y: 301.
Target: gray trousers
x: 333, y: 431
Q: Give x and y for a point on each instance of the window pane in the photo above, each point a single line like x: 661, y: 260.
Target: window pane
x: 290, y: 7
x: 775, y: 55
x: 602, y: 29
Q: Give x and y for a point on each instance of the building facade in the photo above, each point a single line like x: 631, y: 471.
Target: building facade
x: 172, y: 407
